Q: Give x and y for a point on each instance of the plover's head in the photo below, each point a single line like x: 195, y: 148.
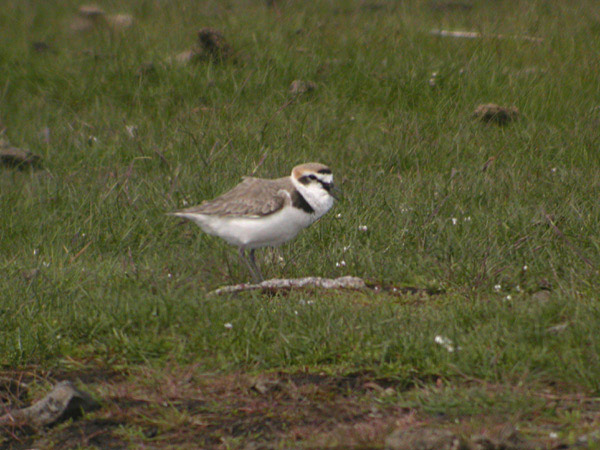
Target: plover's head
x: 313, y: 177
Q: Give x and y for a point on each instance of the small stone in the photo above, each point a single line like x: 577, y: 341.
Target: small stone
x: 185, y: 57
x: 424, y: 439
x: 510, y: 438
x: 264, y: 385
x: 16, y: 157
x: 481, y: 442
x: 541, y: 296
x: 91, y: 12
x: 64, y: 402
x: 299, y: 87
x: 120, y: 21
x: 501, y: 115
x: 88, y: 16
x: 557, y: 328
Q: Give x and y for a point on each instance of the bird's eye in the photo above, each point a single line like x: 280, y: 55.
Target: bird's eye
x: 312, y: 177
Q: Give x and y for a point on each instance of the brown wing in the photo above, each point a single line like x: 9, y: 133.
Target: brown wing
x: 252, y: 197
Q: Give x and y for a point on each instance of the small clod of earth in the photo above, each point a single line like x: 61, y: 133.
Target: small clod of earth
x: 90, y: 17
x: 15, y: 157
x: 493, y: 113
x: 211, y: 45
x: 42, y: 47
x: 299, y: 87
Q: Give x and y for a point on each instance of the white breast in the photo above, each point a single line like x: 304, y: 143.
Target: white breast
x: 254, y: 232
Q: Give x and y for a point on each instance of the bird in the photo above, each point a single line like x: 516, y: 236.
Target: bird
x: 262, y: 212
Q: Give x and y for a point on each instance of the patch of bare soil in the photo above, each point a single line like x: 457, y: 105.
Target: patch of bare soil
x: 184, y: 407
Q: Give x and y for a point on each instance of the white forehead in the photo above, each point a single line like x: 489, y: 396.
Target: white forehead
x: 325, y: 177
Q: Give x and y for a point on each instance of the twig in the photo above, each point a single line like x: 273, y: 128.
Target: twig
x: 567, y: 397
x: 476, y: 35
x: 260, y: 163
x: 567, y: 241
x: 285, y: 284
x: 281, y: 108
x: 80, y: 252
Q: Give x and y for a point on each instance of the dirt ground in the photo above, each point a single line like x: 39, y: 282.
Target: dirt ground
x: 181, y: 407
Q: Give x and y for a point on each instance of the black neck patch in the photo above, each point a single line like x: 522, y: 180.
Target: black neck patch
x: 300, y: 202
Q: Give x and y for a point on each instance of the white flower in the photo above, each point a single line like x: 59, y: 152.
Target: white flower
x: 131, y: 130
x: 525, y: 268
x: 228, y: 325
x: 508, y: 298
x: 363, y: 228
x: 518, y: 288
x: 295, y: 312
x: 497, y: 288
x: 467, y: 219
x: 553, y: 435
x: 338, y: 216
x: 346, y: 248
x: 342, y: 263
x: 454, y: 221
x: 35, y: 251
x: 45, y: 264
x: 445, y: 342
x: 169, y: 275
x: 553, y: 170
x: 310, y: 302
x: 432, y: 79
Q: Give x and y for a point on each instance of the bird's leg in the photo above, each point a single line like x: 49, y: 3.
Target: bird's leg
x: 256, y: 269
x: 251, y: 264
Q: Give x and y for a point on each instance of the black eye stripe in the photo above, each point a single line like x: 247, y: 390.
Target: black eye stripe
x: 326, y: 186
x: 325, y: 171
x: 307, y: 179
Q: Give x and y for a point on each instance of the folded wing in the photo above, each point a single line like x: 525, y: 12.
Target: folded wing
x: 253, y: 197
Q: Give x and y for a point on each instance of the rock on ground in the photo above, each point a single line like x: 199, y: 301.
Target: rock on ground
x: 299, y: 87
x: 64, y: 402
x: 424, y: 439
x: 16, y: 157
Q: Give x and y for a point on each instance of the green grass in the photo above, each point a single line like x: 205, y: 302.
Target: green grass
x: 121, y: 282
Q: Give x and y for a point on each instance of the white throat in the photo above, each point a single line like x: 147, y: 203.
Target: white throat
x: 318, y: 198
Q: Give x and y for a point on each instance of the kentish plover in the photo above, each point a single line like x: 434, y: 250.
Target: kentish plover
x: 259, y: 213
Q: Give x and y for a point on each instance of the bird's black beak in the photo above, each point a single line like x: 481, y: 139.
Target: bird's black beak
x: 333, y: 190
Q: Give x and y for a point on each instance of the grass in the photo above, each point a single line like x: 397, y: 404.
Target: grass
x: 503, y: 221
